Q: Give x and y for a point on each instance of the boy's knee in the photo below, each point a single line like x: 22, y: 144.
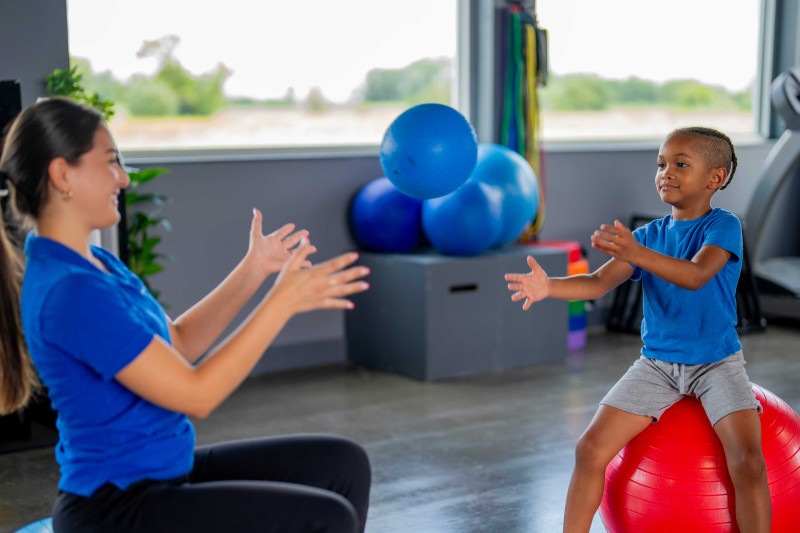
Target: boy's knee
x: 747, y: 466
x: 589, y: 453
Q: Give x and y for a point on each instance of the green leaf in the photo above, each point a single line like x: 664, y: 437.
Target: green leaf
x: 133, y: 198
x: 149, y: 244
x: 65, y: 83
x: 151, y: 268
x: 143, y: 176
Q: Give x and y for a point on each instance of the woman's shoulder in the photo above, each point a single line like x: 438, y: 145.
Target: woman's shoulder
x: 107, y: 257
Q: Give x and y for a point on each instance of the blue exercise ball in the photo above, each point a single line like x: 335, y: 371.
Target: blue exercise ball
x: 465, y: 222
x: 45, y: 525
x: 383, y: 219
x: 429, y: 151
x: 513, y: 176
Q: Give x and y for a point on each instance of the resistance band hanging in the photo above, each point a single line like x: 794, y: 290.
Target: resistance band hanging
x: 523, y: 71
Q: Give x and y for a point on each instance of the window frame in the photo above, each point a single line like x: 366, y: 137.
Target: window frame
x: 474, y: 95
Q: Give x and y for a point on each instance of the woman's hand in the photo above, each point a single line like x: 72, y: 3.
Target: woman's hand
x: 533, y: 286
x: 269, y: 252
x: 304, y: 288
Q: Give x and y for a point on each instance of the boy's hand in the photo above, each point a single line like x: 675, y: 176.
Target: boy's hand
x: 616, y: 241
x: 533, y: 286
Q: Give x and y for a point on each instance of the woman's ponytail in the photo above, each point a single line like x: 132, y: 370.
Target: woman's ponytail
x: 18, y: 379
x: 50, y: 128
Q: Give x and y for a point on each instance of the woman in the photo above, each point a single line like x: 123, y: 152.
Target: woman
x: 124, y: 378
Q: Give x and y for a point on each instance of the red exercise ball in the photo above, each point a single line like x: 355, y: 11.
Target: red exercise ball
x: 673, y: 477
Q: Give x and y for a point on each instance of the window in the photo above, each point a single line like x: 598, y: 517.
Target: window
x: 627, y: 69
x: 332, y: 74
x: 262, y: 74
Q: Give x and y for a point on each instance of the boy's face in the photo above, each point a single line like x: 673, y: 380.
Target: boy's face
x: 684, y: 178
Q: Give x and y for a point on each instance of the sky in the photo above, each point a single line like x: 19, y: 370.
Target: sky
x: 714, y: 41
x: 271, y: 45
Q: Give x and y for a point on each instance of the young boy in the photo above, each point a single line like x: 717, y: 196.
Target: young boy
x: 689, y: 263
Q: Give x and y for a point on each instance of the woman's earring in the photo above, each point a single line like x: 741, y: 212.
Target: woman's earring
x: 66, y: 195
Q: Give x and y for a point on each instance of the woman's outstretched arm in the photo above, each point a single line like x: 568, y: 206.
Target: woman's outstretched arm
x: 161, y: 375
x: 193, y: 332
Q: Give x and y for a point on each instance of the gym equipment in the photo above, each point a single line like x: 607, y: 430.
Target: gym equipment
x: 383, y: 219
x: 513, y: 176
x: 522, y: 70
x: 429, y: 151
x: 466, y: 222
x: 45, y: 525
x: 432, y: 317
x: 673, y: 476
x: 576, y: 264
x: 777, y: 278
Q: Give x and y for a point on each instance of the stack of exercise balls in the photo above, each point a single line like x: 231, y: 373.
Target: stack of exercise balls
x: 442, y: 186
x: 383, y: 219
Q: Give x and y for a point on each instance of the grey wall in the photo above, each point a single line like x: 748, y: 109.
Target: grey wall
x: 211, y: 210
x: 33, y: 41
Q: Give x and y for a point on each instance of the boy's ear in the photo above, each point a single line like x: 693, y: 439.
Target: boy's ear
x: 718, y: 177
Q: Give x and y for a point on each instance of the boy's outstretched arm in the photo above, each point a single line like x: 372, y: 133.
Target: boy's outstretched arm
x: 618, y: 242
x: 536, y: 285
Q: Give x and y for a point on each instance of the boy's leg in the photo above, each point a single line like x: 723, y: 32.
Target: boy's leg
x: 609, y: 431
x: 740, y: 433
x: 727, y: 396
x: 642, y: 395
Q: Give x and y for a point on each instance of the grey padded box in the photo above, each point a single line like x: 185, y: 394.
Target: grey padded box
x: 432, y: 317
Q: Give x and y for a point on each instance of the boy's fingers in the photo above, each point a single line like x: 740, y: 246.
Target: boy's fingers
x: 532, y: 262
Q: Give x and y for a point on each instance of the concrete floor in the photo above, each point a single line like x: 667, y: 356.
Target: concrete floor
x: 484, y: 454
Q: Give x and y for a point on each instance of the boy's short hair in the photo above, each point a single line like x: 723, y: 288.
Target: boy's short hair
x: 715, y: 147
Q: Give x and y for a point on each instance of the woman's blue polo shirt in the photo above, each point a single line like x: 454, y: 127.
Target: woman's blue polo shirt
x: 83, y: 326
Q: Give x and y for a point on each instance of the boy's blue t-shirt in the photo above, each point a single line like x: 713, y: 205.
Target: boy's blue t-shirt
x: 681, y: 325
x: 83, y: 326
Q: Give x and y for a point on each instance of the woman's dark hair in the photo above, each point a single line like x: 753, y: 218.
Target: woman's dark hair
x: 46, y: 130
x: 717, y: 148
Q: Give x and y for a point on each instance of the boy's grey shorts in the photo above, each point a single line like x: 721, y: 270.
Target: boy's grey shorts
x: 651, y: 386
